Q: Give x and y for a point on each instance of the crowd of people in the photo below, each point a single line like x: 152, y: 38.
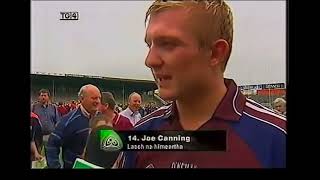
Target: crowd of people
x: 51, y: 125
x: 65, y: 107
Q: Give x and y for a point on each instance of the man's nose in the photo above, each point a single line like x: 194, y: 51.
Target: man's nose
x: 153, y: 59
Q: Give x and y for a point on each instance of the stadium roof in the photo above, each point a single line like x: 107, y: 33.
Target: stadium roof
x: 93, y: 77
x: 105, y: 83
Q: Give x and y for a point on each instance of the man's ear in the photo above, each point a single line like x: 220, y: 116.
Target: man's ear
x: 219, y: 52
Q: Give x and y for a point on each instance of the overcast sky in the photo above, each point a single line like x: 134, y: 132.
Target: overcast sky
x: 108, y: 40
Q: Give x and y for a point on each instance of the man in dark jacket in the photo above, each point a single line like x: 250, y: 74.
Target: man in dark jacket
x: 72, y: 131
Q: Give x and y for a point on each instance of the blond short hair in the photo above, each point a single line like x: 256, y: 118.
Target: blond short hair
x: 216, y: 24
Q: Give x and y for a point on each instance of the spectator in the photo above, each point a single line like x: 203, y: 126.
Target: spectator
x: 153, y: 107
x: 100, y: 120
x: 142, y: 111
x: 67, y: 106
x: 36, y: 138
x: 47, y: 113
x: 73, y: 105
x: 62, y: 109
x: 280, y: 106
x: 107, y: 108
x: 72, y: 132
x: 132, y: 111
x: 119, y: 108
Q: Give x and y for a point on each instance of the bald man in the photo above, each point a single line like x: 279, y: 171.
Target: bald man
x: 280, y: 106
x: 132, y: 111
x: 72, y: 131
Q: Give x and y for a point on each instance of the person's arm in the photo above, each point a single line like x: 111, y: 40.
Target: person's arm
x: 53, y: 146
x: 35, y: 152
x: 57, y: 115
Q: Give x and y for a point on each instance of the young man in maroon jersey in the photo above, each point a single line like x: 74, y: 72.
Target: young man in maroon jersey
x: 189, y: 45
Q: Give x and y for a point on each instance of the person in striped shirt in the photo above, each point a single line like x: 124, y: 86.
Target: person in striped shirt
x: 189, y: 44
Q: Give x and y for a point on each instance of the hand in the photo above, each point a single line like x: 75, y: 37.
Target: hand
x: 38, y: 157
x: 81, y: 156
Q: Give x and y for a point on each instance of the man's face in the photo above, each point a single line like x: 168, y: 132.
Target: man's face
x: 178, y: 65
x: 103, y: 108
x: 135, y: 102
x: 44, y: 98
x: 91, y: 100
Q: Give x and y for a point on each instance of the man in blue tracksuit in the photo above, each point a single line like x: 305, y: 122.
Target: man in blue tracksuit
x: 72, y: 131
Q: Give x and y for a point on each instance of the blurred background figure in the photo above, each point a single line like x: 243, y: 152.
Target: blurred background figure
x: 108, y: 108
x: 62, y: 109
x: 280, y: 106
x: 119, y: 108
x: 36, y: 138
x: 132, y: 111
x: 47, y: 113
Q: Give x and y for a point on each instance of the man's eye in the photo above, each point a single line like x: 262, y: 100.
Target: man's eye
x: 167, y: 45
